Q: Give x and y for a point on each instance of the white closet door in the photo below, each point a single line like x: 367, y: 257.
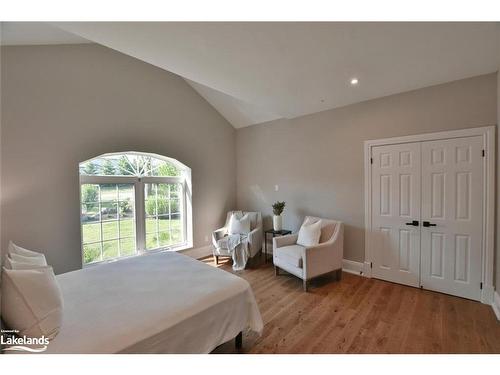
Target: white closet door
x: 395, y: 205
x: 452, y: 185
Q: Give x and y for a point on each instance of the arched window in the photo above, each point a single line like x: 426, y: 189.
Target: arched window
x: 132, y: 203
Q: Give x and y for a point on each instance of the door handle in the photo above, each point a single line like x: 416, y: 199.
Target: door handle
x: 427, y: 224
x: 414, y: 223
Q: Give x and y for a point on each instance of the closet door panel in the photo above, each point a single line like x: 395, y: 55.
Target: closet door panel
x: 452, y: 203
x: 396, y: 204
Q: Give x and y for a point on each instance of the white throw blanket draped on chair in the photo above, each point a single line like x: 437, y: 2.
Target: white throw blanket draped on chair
x: 237, y: 244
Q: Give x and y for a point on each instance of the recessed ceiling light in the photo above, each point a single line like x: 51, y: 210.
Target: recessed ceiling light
x: 354, y: 81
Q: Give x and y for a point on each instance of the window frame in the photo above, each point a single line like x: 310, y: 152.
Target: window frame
x: 139, y: 183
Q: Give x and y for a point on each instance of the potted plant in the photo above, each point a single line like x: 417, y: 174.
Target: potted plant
x: 278, y: 208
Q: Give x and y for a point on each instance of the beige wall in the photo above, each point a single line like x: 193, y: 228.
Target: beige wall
x: 317, y: 160
x: 497, y: 285
x: 66, y: 104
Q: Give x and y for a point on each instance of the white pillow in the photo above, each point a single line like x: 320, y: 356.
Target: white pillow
x: 14, y: 249
x: 239, y: 225
x: 32, y: 302
x: 35, y: 261
x: 14, y: 265
x: 309, y: 233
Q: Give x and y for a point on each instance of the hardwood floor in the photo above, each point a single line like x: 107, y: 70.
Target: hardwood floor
x: 361, y: 315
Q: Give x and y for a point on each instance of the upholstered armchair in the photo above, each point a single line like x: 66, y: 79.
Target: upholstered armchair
x: 255, y: 236
x: 310, y: 262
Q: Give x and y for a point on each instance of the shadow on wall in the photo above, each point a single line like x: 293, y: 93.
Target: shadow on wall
x: 259, y: 195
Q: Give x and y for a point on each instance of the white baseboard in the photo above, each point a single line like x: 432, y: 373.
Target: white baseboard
x: 487, y: 294
x: 350, y: 266
x: 199, y: 252
x: 367, y: 271
x: 496, y: 304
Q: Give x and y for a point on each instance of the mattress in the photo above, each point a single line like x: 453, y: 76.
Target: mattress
x: 156, y: 303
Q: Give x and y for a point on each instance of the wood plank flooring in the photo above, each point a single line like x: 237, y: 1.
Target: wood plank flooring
x: 361, y: 315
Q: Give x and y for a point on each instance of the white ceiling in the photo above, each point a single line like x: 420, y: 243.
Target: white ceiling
x: 256, y: 72
x: 29, y: 33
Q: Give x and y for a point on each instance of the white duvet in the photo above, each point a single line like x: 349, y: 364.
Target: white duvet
x: 156, y: 303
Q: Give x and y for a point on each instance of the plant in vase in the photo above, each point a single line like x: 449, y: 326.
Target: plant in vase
x: 278, y: 208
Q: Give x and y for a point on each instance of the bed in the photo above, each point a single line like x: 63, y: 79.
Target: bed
x: 157, y: 303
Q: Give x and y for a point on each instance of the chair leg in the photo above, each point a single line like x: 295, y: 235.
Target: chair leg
x: 304, y: 284
x: 238, y: 341
x: 276, y: 271
x: 216, y: 259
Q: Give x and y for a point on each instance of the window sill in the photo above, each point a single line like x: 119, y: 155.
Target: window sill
x: 146, y: 252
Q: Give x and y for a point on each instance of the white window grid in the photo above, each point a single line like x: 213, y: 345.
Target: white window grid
x: 139, y: 210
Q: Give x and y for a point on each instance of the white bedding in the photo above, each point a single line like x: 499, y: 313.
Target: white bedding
x: 156, y: 303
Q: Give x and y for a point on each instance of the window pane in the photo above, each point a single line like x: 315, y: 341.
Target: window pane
x: 163, y: 191
x: 126, y: 166
x: 151, y: 241
x: 150, y: 191
x: 91, y: 232
x: 164, y: 239
x: 90, y: 168
x: 127, y: 246
x: 176, y: 224
x: 177, y: 236
x: 174, y: 206
x: 150, y: 206
x: 164, y: 169
x: 109, y: 166
x: 127, y: 228
x: 163, y: 223
x: 126, y: 209
x: 110, y: 249
x: 91, y: 253
x: 109, y: 211
x: 162, y: 205
x: 109, y: 192
x: 90, y: 212
x: 89, y: 193
x: 109, y: 220
x: 126, y: 192
x: 109, y: 230
x: 150, y: 225
x: 175, y: 191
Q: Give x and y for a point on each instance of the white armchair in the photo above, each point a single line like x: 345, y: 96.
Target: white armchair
x: 255, y: 236
x: 310, y: 262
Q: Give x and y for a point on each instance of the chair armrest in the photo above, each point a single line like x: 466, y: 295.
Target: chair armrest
x: 255, y: 236
x: 218, y: 234
x: 325, y: 257
x: 290, y: 239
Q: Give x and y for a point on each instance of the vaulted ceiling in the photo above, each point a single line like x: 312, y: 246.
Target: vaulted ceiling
x: 36, y: 33
x: 256, y: 72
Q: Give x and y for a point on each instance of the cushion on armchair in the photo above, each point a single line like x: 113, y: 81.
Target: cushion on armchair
x: 239, y: 224
x: 291, y: 254
x: 309, y: 233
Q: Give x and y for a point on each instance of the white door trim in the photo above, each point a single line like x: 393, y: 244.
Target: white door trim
x: 487, y: 251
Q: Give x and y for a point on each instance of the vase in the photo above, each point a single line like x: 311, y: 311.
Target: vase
x: 277, y: 222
